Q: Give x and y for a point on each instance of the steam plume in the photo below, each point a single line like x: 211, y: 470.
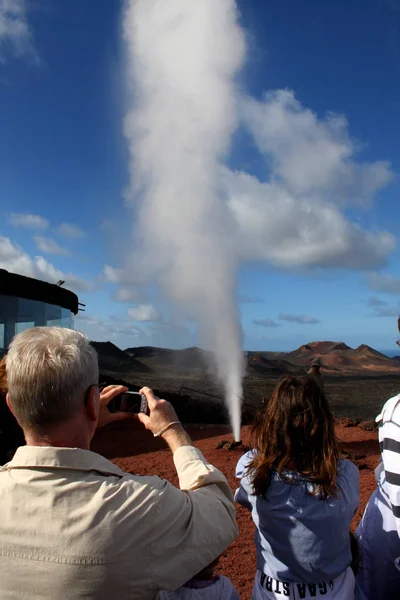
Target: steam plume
x: 182, y: 59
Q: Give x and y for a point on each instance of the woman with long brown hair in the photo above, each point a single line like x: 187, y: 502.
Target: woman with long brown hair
x: 302, y: 496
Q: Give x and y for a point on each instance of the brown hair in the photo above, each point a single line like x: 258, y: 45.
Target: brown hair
x: 295, y: 431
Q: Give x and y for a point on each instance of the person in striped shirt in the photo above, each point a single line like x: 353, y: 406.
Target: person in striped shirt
x: 379, y: 530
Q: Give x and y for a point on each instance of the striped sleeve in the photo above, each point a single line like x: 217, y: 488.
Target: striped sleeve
x: 389, y: 440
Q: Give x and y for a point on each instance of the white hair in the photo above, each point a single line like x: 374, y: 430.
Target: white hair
x: 49, y: 370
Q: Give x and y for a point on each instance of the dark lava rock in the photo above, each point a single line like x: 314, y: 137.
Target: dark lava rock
x: 346, y: 422
x: 222, y: 444
x: 368, y: 425
x: 228, y: 445
x: 362, y: 465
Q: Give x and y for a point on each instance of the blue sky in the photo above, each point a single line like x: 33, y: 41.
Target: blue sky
x: 303, y: 276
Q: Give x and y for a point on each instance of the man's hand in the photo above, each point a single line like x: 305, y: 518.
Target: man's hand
x: 162, y: 414
x: 106, y: 395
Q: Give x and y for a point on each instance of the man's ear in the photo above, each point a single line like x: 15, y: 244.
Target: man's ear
x: 9, y: 403
x: 93, y: 403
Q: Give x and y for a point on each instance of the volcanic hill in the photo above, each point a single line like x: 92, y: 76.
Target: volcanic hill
x: 337, y: 358
x: 113, y: 361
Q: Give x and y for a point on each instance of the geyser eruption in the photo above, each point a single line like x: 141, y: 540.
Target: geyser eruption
x: 183, y: 56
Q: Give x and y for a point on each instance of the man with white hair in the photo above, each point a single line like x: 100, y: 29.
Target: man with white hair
x: 73, y: 524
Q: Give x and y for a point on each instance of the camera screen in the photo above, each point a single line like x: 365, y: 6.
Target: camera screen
x: 127, y: 402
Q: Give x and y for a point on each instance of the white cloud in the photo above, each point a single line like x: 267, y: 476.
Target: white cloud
x: 15, y: 33
x: 296, y: 218
x: 125, y: 333
x: 380, y: 282
x: 49, y: 246
x: 28, y: 221
x: 125, y: 294
x: 265, y: 323
x: 112, y: 328
x: 83, y: 320
x: 128, y: 276
x: 113, y: 274
x: 14, y: 259
x: 292, y: 231
x: 143, y: 313
x: 312, y: 155
x: 300, y: 319
x: 70, y: 231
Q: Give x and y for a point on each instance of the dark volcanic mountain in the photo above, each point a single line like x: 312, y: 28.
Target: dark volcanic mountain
x: 113, y: 361
x: 187, y: 361
x: 260, y: 365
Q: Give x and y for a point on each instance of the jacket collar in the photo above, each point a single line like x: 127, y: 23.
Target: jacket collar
x: 36, y: 457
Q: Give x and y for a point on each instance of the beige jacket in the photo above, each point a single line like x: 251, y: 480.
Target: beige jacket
x: 73, y: 525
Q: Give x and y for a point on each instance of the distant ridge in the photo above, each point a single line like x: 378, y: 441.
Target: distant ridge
x: 269, y: 366
x: 336, y: 359
x: 113, y: 359
x: 195, y: 360
x: 186, y: 360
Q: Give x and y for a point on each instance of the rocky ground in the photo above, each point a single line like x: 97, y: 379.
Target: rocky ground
x: 136, y: 451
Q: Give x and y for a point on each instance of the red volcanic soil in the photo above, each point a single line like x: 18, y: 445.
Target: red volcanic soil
x: 136, y: 451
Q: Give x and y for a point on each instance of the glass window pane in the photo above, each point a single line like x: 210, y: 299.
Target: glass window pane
x: 22, y: 326
x: 18, y: 314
